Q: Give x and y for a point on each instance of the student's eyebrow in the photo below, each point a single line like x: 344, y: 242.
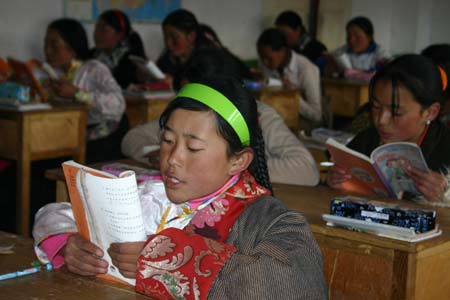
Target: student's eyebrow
x: 188, y: 135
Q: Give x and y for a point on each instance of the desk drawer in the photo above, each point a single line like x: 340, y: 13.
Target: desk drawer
x: 53, y: 132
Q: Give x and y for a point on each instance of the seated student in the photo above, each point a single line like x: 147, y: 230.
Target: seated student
x: 182, y: 36
x: 440, y: 54
x: 213, y: 167
x: 288, y: 159
x: 361, y: 56
x: 115, y: 41
x: 405, y: 101
x: 89, y: 82
x: 297, y: 38
x: 295, y: 71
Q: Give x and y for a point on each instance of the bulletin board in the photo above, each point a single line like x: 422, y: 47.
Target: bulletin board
x: 146, y: 11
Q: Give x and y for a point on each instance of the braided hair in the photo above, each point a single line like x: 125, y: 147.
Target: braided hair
x: 246, y: 104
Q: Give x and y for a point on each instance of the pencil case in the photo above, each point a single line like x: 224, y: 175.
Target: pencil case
x: 13, y: 90
x: 421, y: 220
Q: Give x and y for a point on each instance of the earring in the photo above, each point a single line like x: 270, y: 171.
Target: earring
x: 428, y: 122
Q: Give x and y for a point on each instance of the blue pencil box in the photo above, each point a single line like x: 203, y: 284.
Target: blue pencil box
x: 421, y: 220
x: 13, y: 90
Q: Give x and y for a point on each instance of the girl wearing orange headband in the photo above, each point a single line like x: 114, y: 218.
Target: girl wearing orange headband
x: 405, y: 99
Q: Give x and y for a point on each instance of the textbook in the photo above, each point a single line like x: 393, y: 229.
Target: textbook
x: 106, y: 209
x: 383, y: 174
x: 148, y: 66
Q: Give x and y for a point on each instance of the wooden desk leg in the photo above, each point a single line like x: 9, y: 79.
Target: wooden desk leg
x: 61, y: 191
x: 23, y: 181
x: 80, y: 156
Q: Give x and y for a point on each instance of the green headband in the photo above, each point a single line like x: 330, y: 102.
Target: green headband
x: 221, y: 105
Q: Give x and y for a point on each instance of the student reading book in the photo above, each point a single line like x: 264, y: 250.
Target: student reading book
x: 384, y: 173
x: 106, y: 208
x: 230, y: 229
x: 405, y: 99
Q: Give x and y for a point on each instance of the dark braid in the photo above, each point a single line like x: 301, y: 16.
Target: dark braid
x: 258, y: 167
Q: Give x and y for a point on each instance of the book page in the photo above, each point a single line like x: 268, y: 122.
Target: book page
x: 365, y: 179
x: 393, y: 159
x: 113, y: 212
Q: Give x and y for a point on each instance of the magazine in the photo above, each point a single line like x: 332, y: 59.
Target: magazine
x: 382, y: 174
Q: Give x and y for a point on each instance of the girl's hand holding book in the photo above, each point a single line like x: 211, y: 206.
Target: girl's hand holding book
x: 337, y: 175
x: 63, y: 88
x: 125, y: 257
x: 431, y: 184
x: 83, y: 257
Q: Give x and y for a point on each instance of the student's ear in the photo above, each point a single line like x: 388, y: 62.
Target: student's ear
x: 240, y: 162
x: 432, y: 112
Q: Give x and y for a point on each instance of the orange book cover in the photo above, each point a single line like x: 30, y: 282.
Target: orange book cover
x: 365, y: 178
x: 24, y: 74
x: 104, y: 228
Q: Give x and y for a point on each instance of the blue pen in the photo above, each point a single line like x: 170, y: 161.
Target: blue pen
x: 19, y: 273
x: 33, y: 270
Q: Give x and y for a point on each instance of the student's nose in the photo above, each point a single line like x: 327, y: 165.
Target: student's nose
x: 384, y: 117
x: 175, y: 157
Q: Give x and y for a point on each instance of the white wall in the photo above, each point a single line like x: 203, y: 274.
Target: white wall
x: 406, y: 25
x: 400, y: 25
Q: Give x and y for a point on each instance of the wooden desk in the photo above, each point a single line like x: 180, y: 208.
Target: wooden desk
x: 364, y: 266
x: 345, y: 96
x: 285, y: 102
x: 141, y: 110
x: 57, y: 284
x: 36, y: 135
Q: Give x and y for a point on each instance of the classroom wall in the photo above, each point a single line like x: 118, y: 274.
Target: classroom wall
x: 400, y: 26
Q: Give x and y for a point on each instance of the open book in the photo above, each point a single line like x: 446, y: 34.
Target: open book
x: 383, y: 173
x: 106, y: 209
x: 147, y: 66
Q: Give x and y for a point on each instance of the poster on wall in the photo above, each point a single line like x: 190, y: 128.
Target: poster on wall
x: 137, y: 10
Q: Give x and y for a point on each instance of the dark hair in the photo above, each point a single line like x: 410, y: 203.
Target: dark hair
x: 121, y: 23
x: 209, y: 62
x: 290, y: 18
x: 246, y: 104
x: 73, y: 34
x: 117, y: 20
x: 186, y: 22
x: 417, y: 73
x: 440, y: 54
x: 209, y: 33
x: 362, y: 22
x: 272, y: 38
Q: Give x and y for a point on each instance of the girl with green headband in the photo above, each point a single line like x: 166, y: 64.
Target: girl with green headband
x: 220, y: 234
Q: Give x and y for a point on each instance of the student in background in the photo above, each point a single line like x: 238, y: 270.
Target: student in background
x: 288, y: 160
x: 214, y: 172
x: 295, y: 71
x: 405, y: 99
x: 440, y: 54
x: 182, y: 36
x: 89, y: 82
x: 297, y: 38
x: 361, y: 56
x: 209, y: 33
x: 115, y: 41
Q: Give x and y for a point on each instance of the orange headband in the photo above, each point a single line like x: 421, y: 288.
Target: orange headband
x: 443, y: 78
